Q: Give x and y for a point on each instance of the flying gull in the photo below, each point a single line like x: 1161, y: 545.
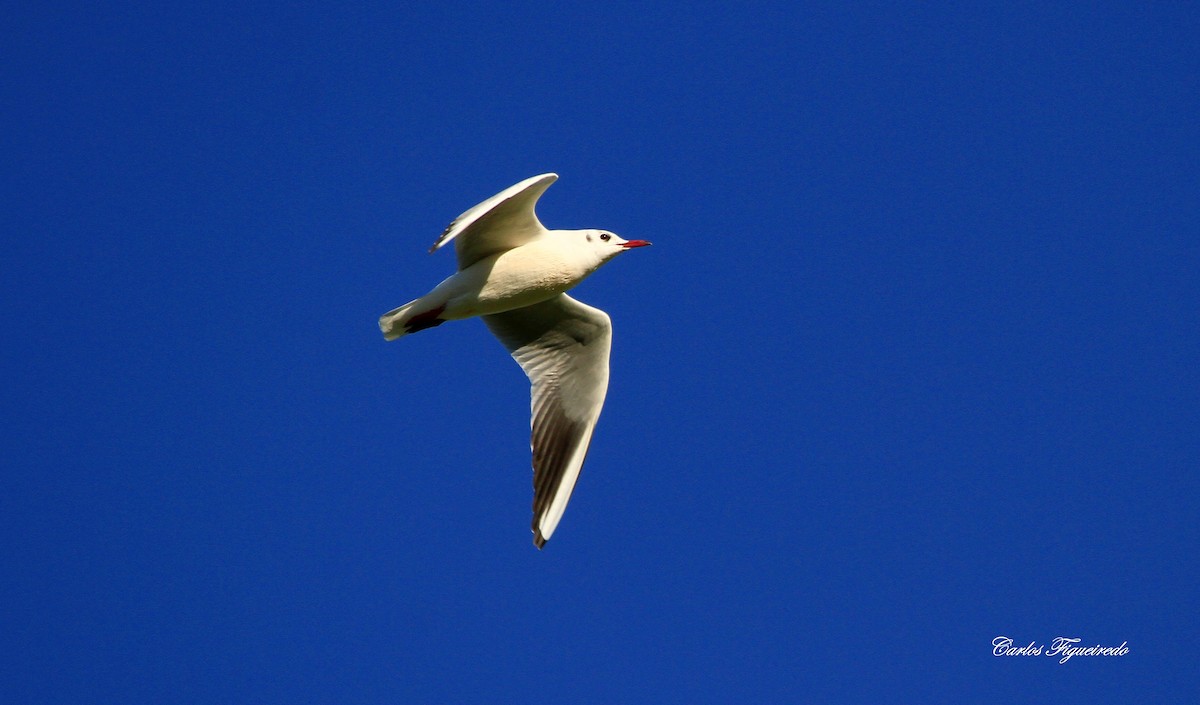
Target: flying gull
x: 514, y: 273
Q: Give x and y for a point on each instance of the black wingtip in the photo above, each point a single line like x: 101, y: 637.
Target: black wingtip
x: 538, y: 540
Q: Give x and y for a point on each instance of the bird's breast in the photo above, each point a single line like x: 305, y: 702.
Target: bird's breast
x: 514, y: 279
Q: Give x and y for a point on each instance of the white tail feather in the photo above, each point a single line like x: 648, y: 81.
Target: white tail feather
x: 392, y: 322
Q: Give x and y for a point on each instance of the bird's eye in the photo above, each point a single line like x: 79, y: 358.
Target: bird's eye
x: 605, y: 236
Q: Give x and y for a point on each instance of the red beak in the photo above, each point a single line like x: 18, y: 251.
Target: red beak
x: 628, y: 244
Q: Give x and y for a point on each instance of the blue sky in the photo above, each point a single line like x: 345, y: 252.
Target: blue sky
x: 911, y: 365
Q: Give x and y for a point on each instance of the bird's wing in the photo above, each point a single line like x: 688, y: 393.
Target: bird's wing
x: 500, y: 223
x: 563, y: 347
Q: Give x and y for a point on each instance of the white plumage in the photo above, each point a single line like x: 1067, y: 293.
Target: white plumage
x: 514, y: 273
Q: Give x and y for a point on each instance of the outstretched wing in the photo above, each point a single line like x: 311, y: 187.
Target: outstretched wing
x: 563, y: 347
x: 500, y: 223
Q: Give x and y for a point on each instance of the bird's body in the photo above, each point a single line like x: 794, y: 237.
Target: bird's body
x: 526, y: 275
x: 514, y: 273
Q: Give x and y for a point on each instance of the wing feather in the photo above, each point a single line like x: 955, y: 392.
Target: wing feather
x: 500, y: 223
x: 563, y: 346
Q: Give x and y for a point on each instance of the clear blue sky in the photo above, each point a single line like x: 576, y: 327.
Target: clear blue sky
x: 911, y: 365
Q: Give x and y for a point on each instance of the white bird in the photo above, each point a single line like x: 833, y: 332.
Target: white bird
x: 514, y: 273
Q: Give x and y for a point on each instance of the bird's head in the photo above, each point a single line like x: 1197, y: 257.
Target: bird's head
x: 607, y: 245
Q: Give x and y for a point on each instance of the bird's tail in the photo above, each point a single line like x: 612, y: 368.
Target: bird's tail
x: 410, y: 318
x: 393, y: 322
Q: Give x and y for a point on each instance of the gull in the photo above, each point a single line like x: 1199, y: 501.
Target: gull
x: 514, y: 274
